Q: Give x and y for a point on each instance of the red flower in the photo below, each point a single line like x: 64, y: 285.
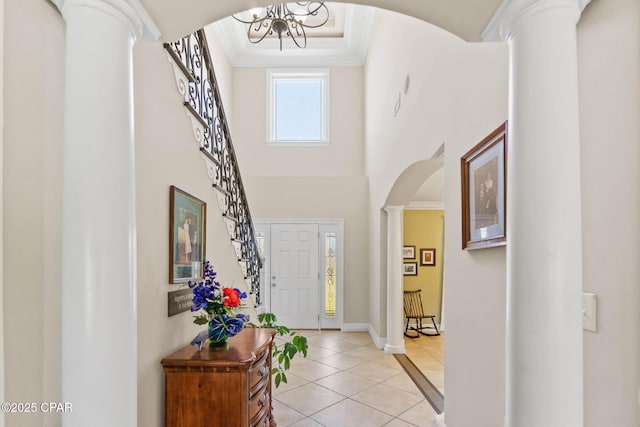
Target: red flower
x: 231, y: 298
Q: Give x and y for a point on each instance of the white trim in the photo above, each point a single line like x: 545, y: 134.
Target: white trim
x: 378, y: 341
x: 509, y: 15
x: 322, y: 74
x: 425, y: 206
x: 355, y: 327
x: 350, y: 50
x: 438, y: 420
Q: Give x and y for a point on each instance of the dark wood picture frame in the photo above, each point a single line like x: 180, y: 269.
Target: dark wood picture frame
x: 187, y: 236
x: 408, y: 252
x: 484, y: 192
x: 410, y: 269
x: 428, y: 257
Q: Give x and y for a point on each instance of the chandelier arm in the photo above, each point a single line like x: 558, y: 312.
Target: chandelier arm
x: 279, y: 19
x: 302, y: 36
x: 242, y: 20
x: 258, y: 35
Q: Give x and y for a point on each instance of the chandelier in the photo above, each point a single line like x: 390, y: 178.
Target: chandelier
x: 286, y: 20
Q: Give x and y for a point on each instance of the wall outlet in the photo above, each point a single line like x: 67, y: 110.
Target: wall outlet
x: 589, y: 310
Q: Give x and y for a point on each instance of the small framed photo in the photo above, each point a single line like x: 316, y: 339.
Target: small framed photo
x: 484, y: 192
x: 408, y: 252
x: 410, y: 269
x: 428, y: 257
x: 187, y: 232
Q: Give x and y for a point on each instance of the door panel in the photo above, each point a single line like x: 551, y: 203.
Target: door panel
x: 294, y: 275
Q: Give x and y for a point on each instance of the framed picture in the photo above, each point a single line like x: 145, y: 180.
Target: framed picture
x: 484, y: 192
x: 410, y: 269
x: 187, y: 231
x: 428, y: 257
x: 408, y: 252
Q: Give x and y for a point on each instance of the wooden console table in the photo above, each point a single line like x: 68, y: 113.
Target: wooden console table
x: 221, y: 387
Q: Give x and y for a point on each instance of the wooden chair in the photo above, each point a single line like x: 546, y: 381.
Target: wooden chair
x: 413, y: 310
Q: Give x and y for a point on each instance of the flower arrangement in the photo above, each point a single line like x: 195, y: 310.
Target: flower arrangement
x: 218, y: 304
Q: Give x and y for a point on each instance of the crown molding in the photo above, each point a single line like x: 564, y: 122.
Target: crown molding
x: 349, y: 50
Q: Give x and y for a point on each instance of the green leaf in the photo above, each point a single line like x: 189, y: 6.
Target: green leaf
x: 200, y: 320
x: 278, y: 379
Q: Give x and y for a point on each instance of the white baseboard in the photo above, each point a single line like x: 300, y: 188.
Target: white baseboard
x: 438, y: 420
x: 379, y: 342
x: 355, y: 327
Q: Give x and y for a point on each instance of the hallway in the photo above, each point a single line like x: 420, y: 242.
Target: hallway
x: 346, y: 381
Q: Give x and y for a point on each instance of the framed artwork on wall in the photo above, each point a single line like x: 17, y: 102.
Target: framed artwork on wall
x: 410, y: 269
x: 484, y: 192
x: 187, y: 232
x: 428, y: 257
x: 408, y: 252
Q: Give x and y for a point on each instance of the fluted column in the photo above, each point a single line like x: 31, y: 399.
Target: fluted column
x: 395, y: 342
x: 544, y: 249
x: 99, y: 324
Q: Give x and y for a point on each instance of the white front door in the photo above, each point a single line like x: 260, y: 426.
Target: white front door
x: 294, y: 275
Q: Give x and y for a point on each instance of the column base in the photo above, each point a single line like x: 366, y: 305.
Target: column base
x: 396, y: 349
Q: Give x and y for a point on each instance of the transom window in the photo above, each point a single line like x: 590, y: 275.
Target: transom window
x: 298, y: 108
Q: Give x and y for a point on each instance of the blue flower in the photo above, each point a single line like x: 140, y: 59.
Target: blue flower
x: 208, y: 295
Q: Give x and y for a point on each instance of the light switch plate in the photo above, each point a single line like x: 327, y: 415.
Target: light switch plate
x: 589, y: 311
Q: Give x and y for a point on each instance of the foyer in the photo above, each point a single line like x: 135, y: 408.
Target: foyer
x: 94, y: 134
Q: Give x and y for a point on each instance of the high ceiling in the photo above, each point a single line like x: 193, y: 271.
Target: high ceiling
x: 465, y: 18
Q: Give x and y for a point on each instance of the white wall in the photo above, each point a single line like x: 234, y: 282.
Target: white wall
x: 609, y: 73
x: 167, y: 154
x: 32, y: 140
x: 457, y: 95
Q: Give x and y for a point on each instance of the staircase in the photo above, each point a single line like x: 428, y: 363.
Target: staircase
x: 196, y: 82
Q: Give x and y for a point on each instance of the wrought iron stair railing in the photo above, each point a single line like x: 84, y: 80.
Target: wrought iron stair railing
x: 202, y: 98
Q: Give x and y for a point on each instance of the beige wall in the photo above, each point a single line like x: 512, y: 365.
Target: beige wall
x: 609, y: 73
x: 310, y: 182
x: 327, y: 198
x: 457, y: 95
x: 2, y: 374
x: 32, y: 145
x: 343, y: 156
x: 441, y: 106
x: 167, y: 154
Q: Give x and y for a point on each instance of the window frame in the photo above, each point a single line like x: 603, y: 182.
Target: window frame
x: 280, y: 74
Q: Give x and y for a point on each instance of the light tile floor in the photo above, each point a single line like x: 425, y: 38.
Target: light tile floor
x: 346, y: 381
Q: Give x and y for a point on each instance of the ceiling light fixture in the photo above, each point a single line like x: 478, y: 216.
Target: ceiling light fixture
x: 286, y: 20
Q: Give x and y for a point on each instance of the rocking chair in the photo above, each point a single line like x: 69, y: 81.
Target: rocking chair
x: 413, y: 310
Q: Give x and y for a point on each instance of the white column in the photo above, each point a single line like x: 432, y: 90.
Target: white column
x: 544, y: 249
x: 395, y: 341
x: 99, y: 325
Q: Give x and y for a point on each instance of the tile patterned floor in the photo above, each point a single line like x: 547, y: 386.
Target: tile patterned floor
x: 346, y: 381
